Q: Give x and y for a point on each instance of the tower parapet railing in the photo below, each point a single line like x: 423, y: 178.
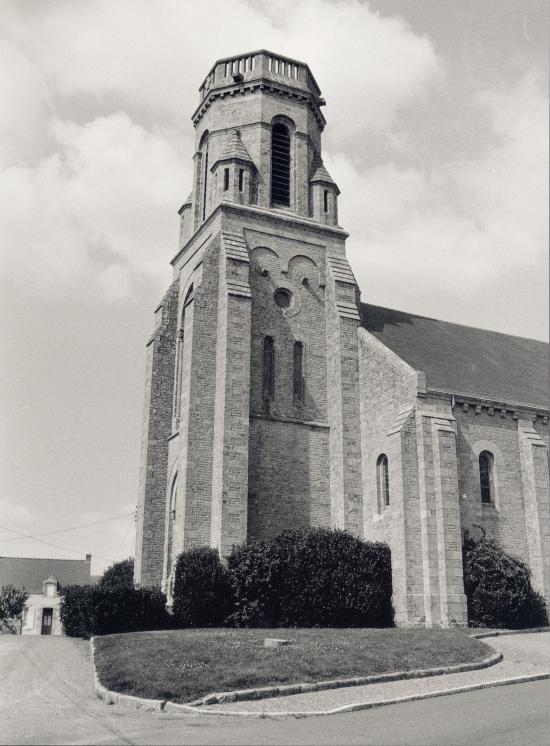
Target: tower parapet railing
x: 255, y: 65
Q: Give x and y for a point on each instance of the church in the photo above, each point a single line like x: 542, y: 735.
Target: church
x: 276, y: 399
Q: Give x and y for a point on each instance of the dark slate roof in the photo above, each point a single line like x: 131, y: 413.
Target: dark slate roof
x: 465, y: 360
x: 29, y: 573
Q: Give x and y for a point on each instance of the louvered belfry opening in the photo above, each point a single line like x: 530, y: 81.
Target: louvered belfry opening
x: 280, y: 165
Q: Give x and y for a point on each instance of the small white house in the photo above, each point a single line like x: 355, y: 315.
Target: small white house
x: 41, y: 611
x: 43, y: 580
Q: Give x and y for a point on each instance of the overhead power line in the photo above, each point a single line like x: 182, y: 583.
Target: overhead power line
x: 64, y: 530
x: 57, y: 546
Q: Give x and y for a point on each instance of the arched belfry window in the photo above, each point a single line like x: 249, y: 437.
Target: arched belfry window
x: 280, y: 165
x: 383, y: 481
x: 486, y: 476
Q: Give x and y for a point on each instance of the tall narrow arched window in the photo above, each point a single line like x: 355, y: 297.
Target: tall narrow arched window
x: 298, y: 372
x: 383, y: 481
x: 171, y: 522
x: 204, y: 148
x: 486, y: 476
x: 268, y: 383
x: 280, y: 165
x: 176, y: 404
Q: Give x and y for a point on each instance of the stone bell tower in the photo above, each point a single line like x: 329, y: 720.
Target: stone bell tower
x: 251, y: 422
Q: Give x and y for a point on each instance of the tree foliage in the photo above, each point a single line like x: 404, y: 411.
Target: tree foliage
x: 203, y: 595
x: 312, y: 578
x: 498, y: 589
x: 118, y: 575
x: 12, y: 601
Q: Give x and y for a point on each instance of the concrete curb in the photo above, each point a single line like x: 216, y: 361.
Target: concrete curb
x: 188, y: 709
x: 500, y: 632
x: 116, y: 698
x: 162, y: 705
x: 288, y: 689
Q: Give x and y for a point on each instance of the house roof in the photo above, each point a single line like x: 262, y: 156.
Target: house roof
x: 29, y: 572
x: 465, y: 360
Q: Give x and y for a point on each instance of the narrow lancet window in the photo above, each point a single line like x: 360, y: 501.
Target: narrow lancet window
x: 280, y: 165
x: 176, y: 404
x: 269, y: 369
x: 383, y: 481
x: 241, y: 179
x: 325, y: 200
x: 486, y: 465
x: 225, y: 179
x: 205, y: 178
x: 298, y: 372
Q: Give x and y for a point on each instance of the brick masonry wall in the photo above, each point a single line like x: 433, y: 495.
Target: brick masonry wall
x: 289, y: 486
x: 196, y: 429
x: 288, y: 462
x: 503, y: 520
x: 388, y: 390
x: 157, y: 426
x: 231, y: 415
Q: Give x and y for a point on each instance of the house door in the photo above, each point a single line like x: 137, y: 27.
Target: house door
x: 47, y: 617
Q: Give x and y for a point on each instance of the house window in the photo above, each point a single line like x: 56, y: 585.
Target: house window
x: 225, y: 179
x: 241, y: 179
x: 325, y: 200
x: 486, y: 468
x: 280, y: 165
x: 50, y: 590
x: 269, y: 369
x: 298, y: 372
x: 383, y: 481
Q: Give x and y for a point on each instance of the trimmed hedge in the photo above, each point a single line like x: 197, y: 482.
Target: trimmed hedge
x: 203, y: 596
x: 498, y: 589
x: 92, y: 610
x: 312, y: 578
x: 120, y: 574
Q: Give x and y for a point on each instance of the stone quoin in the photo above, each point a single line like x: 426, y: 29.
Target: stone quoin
x: 276, y: 399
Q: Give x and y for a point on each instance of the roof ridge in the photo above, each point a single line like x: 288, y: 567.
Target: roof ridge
x: 453, y: 323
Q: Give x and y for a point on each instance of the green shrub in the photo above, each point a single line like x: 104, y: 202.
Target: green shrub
x: 77, y: 610
x: 498, y: 589
x: 312, y: 577
x: 202, y: 589
x: 118, y: 575
x: 12, y: 601
x: 91, y: 610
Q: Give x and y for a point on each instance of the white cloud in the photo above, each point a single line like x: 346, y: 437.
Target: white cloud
x: 101, y: 209
x: 98, y: 202
x: 464, y: 228
x: 23, y: 95
x: 14, y: 515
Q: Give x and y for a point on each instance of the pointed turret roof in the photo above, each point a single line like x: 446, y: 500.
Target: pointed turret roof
x: 320, y: 173
x: 234, y: 149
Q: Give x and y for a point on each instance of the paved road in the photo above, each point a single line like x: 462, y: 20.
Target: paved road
x: 524, y: 655
x: 46, y: 697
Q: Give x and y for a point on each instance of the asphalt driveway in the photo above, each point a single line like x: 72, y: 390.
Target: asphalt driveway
x: 46, y: 697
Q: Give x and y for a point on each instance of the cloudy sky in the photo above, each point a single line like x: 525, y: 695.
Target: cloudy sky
x: 436, y: 135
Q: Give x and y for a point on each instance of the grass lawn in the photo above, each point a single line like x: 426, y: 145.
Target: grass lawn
x: 183, y: 665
